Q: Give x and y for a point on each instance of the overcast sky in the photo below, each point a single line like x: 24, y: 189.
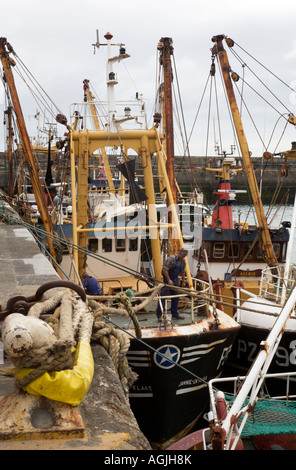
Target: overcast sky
x: 54, y: 40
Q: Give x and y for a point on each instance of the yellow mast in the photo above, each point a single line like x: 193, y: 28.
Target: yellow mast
x: 10, y: 176
x: 5, y: 48
x: 165, y: 47
x: 219, y: 50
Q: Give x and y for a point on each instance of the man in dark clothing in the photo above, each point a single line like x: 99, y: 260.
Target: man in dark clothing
x: 172, y: 267
x: 91, y: 285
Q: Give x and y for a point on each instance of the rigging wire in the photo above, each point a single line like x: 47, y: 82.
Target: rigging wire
x: 209, y: 116
x: 35, y: 83
x: 268, y: 70
x: 251, y: 118
x: 199, y: 107
x: 228, y: 108
x: 218, y: 113
x: 264, y: 84
x: 186, y: 148
x: 102, y: 111
x: 185, y: 138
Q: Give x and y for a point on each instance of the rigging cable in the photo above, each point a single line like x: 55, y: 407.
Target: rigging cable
x: 36, y: 84
x: 262, y: 97
x: 265, y: 67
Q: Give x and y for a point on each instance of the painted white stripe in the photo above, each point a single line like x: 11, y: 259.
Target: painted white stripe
x: 198, y: 353
x: 205, y: 346
x: 190, y: 389
x: 190, y: 360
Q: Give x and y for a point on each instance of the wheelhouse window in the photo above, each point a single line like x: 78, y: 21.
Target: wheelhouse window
x: 219, y: 250
x: 284, y: 251
x: 276, y: 249
x: 233, y: 250
x: 93, y: 245
x: 200, y: 252
x: 248, y: 251
x: 260, y: 253
x: 133, y: 244
x: 107, y: 245
x: 120, y: 244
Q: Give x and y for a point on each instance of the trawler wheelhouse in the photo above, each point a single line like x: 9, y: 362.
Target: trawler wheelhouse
x: 231, y: 246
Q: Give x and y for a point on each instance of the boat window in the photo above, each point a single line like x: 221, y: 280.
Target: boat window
x: 260, y: 252
x: 219, y: 250
x: 120, y: 244
x: 284, y: 252
x: 233, y: 250
x: 276, y: 249
x: 248, y: 251
x: 107, y: 245
x: 93, y: 244
x: 208, y: 248
x: 133, y: 244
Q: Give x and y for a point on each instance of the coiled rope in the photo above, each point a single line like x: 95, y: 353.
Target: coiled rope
x: 74, y: 320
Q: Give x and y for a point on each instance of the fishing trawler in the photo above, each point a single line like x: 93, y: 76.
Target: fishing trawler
x: 237, y: 251
x: 173, y: 361
x: 258, y: 311
x: 257, y: 411
x: 234, y: 249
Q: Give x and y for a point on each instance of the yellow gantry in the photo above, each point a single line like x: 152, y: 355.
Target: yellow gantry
x: 145, y: 143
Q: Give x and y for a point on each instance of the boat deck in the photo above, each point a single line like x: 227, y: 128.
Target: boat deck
x: 149, y: 323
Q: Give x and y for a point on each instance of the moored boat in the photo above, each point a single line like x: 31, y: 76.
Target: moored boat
x: 199, y: 345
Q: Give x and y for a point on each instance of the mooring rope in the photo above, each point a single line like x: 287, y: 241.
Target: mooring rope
x: 72, y: 321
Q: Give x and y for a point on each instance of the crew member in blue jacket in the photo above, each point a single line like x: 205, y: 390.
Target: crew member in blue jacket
x: 91, y: 285
x: 173, y: 267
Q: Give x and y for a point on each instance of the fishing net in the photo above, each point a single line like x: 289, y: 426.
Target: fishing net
x: 271, y: 422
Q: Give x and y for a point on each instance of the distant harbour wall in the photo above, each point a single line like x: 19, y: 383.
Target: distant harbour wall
x: 191, y: 172
x: 270, y: 176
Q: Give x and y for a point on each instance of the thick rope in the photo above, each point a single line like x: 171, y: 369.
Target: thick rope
x: 115, y: 342
x: 74, y: 320
x: 60, y: 355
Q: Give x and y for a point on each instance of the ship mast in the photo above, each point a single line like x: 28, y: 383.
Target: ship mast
x: 5, y: 48
x: 219, y: 50
x: 166, y: 49
x: 8, y: 112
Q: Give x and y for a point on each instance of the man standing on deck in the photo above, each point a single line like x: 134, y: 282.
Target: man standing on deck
x: 91, y: 285
x: 172, y: 267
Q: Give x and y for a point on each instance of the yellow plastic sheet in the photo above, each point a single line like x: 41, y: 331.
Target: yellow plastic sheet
x: 68, y: 386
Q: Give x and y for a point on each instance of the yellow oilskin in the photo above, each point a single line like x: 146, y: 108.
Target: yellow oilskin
x: 67, y: 386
